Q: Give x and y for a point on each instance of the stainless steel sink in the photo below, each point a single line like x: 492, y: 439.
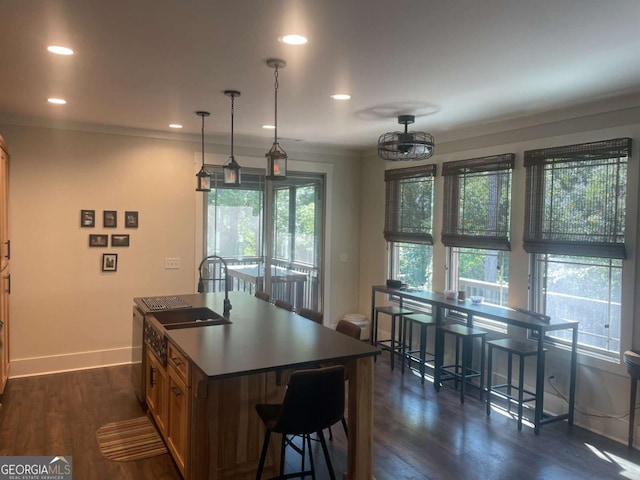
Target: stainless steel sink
x: 188, y: 318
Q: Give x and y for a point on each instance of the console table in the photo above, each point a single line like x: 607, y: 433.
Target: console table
x: 509, y: 316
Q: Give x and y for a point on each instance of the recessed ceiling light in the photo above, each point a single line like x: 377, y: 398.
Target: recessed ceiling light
x: 59, y: 50
x: 57, y: 101
x: 293, y: 39
x: 175, y: 125
x: 268, y: 127
x: 341, y: 96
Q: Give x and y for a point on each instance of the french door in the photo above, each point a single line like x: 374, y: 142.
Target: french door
x: 270, y: 233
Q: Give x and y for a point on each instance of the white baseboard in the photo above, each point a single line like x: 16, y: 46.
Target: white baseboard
x: 26, y: 367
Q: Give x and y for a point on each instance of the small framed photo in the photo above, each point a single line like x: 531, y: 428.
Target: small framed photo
x: 119, y: 240
x: 99, y: 240
x: 109, y: 262
x: 110, y: 219
x: 87, y: 218
x: 130, y: 219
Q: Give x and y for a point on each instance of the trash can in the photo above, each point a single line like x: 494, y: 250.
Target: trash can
x: 361, y: 321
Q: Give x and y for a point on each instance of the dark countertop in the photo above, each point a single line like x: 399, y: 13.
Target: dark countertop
x: 261, y: 337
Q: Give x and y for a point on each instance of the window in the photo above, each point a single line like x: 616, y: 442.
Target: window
x: 235, y: 217
x: 409, y: 224
x: 574, y: 231
x: 476, y: 225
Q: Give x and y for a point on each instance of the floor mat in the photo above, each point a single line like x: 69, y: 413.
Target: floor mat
x: 130, y: 440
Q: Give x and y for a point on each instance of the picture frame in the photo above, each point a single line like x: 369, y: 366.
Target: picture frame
x: 87, y: 218
x: 109, y: 218
x: 119, y: 240
x: 130, y: 219
x: 98, y: 240
x: 109, y: 262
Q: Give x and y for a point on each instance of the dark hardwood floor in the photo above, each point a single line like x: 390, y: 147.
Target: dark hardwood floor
x: 418, y: 434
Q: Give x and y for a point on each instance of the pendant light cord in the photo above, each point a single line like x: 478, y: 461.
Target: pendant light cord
x: 275, y: 74
x: 202, y: 141
x: 232, y: 112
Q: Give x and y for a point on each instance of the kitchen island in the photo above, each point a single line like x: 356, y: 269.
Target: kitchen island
x: 216, y: 374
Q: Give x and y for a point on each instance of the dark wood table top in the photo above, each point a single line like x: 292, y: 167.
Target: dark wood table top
x: 501, y: 314
x: 261, y: 337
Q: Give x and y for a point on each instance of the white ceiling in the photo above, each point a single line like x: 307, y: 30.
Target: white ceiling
x: 453, y: 63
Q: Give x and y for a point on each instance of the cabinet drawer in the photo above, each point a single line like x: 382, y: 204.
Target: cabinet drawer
x: 179, y: 362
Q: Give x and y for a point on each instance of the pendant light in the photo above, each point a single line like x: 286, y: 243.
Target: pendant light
x: 276, y: 156
x: 231, y: 170
x: 203, y: 178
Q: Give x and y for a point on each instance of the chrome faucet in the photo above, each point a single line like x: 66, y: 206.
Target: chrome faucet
x: 227, y: 303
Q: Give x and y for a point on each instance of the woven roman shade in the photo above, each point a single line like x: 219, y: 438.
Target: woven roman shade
x: 575, y: 199
x: 477, y: 202
x: 409, y: 204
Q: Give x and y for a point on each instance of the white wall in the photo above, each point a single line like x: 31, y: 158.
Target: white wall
x: 65, y: 313
x: 602, y: 386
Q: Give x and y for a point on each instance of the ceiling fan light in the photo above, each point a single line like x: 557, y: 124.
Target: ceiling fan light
x: 405, y: 146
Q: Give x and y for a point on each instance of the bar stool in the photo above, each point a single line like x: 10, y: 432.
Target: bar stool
x: 523, y: 349
x: 423, y: 321
x: 394, y: 346
x: 461, y: 371
x: 313, y: 401
x: 632, y: 360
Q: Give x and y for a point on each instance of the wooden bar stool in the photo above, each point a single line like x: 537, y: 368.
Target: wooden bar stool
x: 523, y: 349
x: 392, y: 344
x: 423, y: 321
x: 632, y: 360
x: 461, y: 371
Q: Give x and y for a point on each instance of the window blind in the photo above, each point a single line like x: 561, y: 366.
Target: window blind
x: 477, y: 202
x: 409, y: 204
x: 575, y: 199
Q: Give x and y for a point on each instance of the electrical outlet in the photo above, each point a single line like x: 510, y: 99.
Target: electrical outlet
x: 171, y: 263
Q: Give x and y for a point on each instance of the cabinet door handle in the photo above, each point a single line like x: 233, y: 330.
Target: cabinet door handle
x: 176, y: 391
x: 8, y: 255
x: 176, y: 361
x: 9, y: 284
x: 152, y: 376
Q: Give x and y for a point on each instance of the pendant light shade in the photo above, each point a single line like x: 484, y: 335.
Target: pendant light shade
x: 203, y: 178
x: 406, y: 146
x: 276, y: 156
x: 231, y: 171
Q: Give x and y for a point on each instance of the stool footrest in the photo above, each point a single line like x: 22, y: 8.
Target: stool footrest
x: 457, y: 373
x: 496, y: 389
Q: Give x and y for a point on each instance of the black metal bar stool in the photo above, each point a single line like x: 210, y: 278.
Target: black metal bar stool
x: 632, y: 360
x: 523, y: 349
x: 423, y: 321
x: 461, y: 371
x: 394, y: 345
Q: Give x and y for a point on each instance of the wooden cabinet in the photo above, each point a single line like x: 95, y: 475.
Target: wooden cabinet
x: 5, y: 273
x: 178, y: 368
x: 167, y: 395
x: 177, y: 427
x: 156, y: 392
